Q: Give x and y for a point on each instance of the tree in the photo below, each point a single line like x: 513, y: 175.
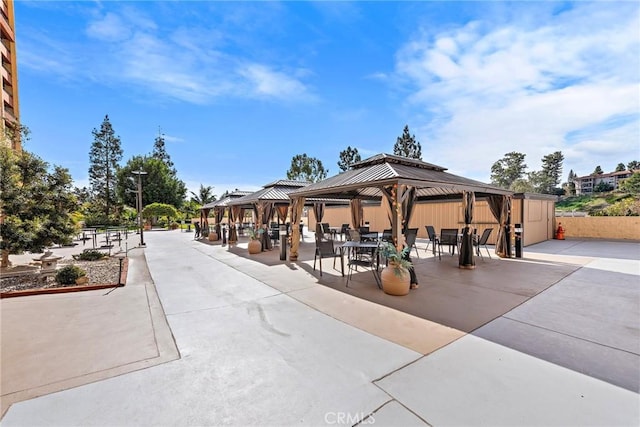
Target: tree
x: 159, y: 185
x: 633, y: 165
x: 159, y: 152
x: 621, y: 167
x: 597, y: 171
x: 160, y: 210
x: 551, y: 171
x: 570, y: 185
x: 407, y: 146
x: 348, y: 157
x: 602, y: 187
x: 36, y: 204
x: 205, y: 195
x: 507, y: 170
x: 631, y: 184
x: 104, y: 159
x: 306, y: 168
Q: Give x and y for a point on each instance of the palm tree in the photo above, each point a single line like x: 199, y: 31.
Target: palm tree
x: 205, y: 195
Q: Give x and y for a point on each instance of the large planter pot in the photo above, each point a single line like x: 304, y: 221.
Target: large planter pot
x: 213, y: 236
x: 255, y: 247
x: 395, y: 284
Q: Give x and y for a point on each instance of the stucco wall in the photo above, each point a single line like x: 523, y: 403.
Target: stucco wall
x: 601, y: 227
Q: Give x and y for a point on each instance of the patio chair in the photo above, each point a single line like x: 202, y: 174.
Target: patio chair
x: 433, y: 238
x: 325, y: 249
x: 274, y: 233
x: 387, y: 235
x: 482, y: 241
x: 344, y: 231
x: 448, y: 237
x: 410, y: 237
x: 367, y: 259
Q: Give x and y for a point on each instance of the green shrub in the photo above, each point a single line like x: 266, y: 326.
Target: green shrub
x: 91, y: 255
x: 68, y: 274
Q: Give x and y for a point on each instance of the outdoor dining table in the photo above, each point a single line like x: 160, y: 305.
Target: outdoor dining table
x: 351, y: 244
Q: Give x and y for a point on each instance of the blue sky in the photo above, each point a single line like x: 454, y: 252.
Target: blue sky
x: 239, y: 88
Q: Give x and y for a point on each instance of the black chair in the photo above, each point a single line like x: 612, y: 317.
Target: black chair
x: 448, y: 237
x: 410, y: 237
x: 325, y: 249
x: 274, y: 233
x: 366, y: 258
x: 433, y: 238
x: 344, y: 231
x: 482, y: 241
x: 387, y: 235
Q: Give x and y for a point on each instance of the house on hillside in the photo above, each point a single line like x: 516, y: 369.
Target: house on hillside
x: 586, y: 184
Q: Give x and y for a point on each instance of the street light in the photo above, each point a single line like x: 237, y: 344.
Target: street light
x: 139, y: 195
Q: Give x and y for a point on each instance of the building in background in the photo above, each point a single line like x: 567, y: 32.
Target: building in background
x: 10, y: 111
x: 587, y: 184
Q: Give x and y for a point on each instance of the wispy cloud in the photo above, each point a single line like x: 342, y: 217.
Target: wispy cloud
x: 195, y: 64
x: 490, y: 89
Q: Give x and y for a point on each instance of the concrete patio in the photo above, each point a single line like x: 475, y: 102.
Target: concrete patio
x: 549, y: 340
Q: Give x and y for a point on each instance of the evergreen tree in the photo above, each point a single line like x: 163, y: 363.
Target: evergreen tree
x: 633, y: 165
x: 159, y: 185
x: 104, y: 159
x: 348, y: 157
x: 507, y: 170
x: 570, y: 186
x: 160, y: 152
x: 306, y: 168
x: 551, y: 171
x: 36, y: 204
x: 407, y: 146
x: 621, y: 167
x: 597, y: 171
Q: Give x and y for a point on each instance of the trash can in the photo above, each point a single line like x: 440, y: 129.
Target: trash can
x: 518, y: 240
x: 283, y: 242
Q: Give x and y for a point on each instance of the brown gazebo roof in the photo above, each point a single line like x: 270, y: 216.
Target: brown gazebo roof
x: 364, y: 180
x: 224, y: 202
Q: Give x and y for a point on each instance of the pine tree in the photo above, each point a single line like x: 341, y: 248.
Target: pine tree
x: 104, y: 159
x: 160, y: 152
x: 407, y: 146
x: 551, y: 171
x: 508, y: 170
x: 348, y: 157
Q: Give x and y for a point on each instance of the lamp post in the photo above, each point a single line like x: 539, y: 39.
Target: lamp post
x: 139, y: 196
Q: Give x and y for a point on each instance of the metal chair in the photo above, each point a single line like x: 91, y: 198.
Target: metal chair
x: 433, y: 238
x: 410, y: 238
x: 448, y: 237
x: 482, y: 241
x: 325, y: 249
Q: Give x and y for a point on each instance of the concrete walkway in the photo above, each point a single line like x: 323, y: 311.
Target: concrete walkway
x: 296, y: 352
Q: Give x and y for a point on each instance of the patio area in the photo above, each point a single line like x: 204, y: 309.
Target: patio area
x: 496, y: 301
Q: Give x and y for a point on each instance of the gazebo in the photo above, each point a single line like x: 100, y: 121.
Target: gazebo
x: 401, y: 181
x: 219, y: 207
x: 274, y: 198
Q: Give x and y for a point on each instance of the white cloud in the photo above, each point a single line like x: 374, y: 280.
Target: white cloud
x: 264, y: 81
x: 492, y: 89
x: 109, y: 28
x: 191, y: 63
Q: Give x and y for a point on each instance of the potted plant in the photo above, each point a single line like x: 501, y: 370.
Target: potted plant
x: 255, y: 235
x: 395, y: 277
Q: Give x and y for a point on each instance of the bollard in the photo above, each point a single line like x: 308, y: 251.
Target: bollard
x: 283, y: 243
